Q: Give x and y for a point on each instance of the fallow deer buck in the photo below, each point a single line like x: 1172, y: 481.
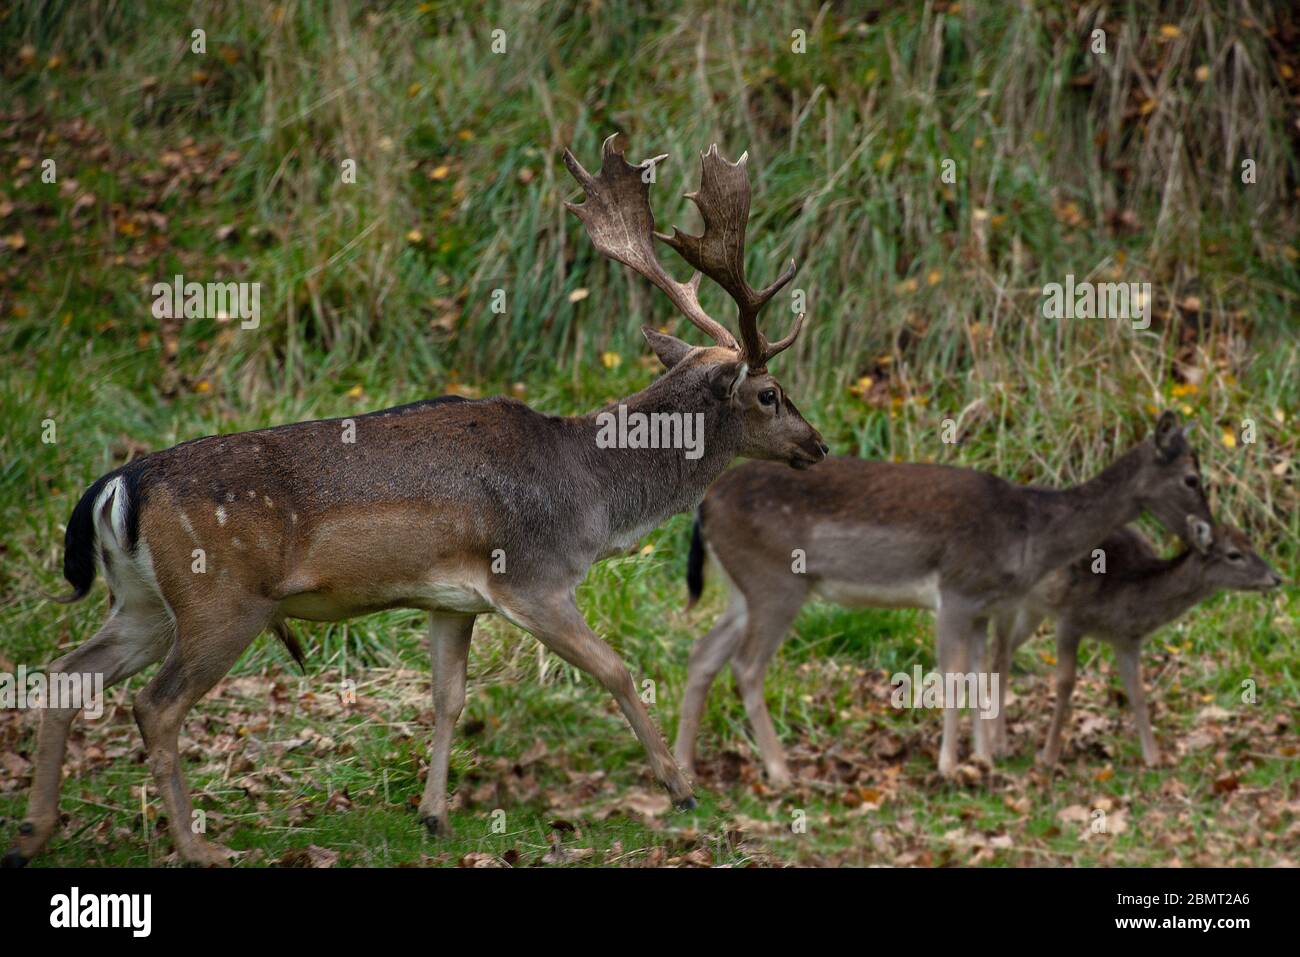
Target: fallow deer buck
x: 1120, y: 596
x: 961, y: 542
x: 453, y: 506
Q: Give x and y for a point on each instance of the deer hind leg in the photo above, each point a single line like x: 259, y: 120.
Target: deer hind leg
x: 1130, y: 671
x: 449, y: 637
x: 1067, y: 657
x: 129, y: 641
x: 766, y: 627
x: 556, y: 622
x: 707, y: 658
x: 208, y: 642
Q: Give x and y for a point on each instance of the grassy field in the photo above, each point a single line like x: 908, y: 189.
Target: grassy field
x: 925, y: 305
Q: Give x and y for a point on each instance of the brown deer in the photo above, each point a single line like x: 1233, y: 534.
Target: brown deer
x: 1121, y: 592
x: 876, y: 534
x: 452, y: 506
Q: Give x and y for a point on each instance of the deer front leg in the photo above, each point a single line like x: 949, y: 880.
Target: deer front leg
x: 1130, y: 670
x: 982, y: 727
x: 707, y: 658
x: 953, y: 627
x: 449, y: 637
x: 556, y: 622
x: 203, y: 653
x: 1067, y: 655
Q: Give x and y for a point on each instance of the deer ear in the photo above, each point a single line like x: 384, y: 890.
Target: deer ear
x: 1169, y: 437
x: 726, y: 378
x: 669, y: 349
x: 1200, y: 534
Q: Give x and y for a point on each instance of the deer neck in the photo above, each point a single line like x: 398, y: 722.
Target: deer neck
x: 1177, y: 585
x: 1078, y: 518
x: 640, y: 485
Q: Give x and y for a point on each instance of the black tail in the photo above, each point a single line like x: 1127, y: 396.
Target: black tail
x: 695, y: 563
x: 79, y: 543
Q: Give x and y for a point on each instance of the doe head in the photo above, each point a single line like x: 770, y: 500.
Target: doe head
x: 1171, y: 487
x: 1228, y: 559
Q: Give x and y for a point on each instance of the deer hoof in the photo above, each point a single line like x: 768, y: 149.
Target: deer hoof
x: 13, y: 859
x: 436, y: 826
x: 685, y: 804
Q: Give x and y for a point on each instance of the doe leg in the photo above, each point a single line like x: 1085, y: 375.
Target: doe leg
x: 767, y: 627
x: 1067, y: 656
x: 123, y: 646
x: 1130, y: 671
x: 449, y: 637
x: 204, y: 652
x: 708, y: 656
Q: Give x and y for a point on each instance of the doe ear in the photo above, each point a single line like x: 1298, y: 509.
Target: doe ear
x: 1200, y: 533
x: 726, y: 377
x: 1169, y: 437
x: 669, y: 349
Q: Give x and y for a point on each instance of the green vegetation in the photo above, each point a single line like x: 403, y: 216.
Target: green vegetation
x: 925, y: 303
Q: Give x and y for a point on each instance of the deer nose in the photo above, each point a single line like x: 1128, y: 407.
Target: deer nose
x: 826, y: 449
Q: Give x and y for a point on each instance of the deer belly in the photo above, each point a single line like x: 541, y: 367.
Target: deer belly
x: 337, y: 604
x: 917, y: 593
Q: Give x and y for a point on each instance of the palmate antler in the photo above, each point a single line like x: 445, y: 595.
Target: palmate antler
x: 621, y: 225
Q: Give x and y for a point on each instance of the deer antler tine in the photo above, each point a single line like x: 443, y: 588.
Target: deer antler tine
x: 617, y: 215
x: 779, y: 283
x: 782, y: 344
x: 719, y: 252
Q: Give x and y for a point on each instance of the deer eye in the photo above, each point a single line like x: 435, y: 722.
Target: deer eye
x: 767, y: 397
x: 1234, y: 556
x: 1192, y: 481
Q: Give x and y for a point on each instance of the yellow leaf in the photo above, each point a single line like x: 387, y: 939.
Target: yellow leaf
x: 578, y: 295
x: 1147, y: 106
x: 1202, y: 73
x: 203, y: 386
x: 355, y: 392
x: 465, y: 135
x: 1105, y: 774
x: 413, y: 90
x: 611, y: 360
x: 1229, y: 440
x: 932, y: 277
x: 647, y: 549
x: 415, y: 236
x: 439, y: 172
x: 1170, y: 32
